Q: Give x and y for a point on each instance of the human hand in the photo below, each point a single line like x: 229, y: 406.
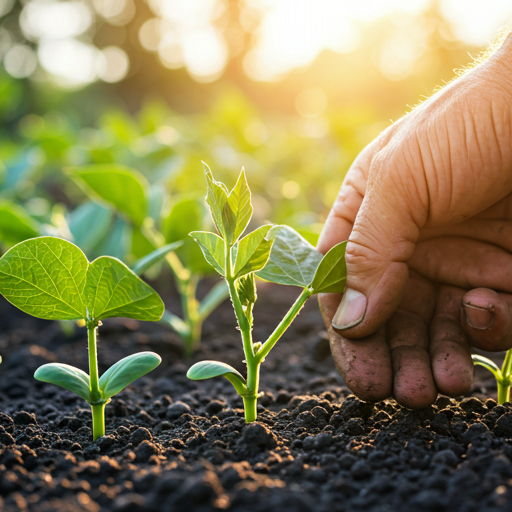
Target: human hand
x: 431, y: 195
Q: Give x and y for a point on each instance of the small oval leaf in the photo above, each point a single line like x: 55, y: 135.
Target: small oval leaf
x: 65, y: 376
x: 253, y: 252
x: 210, y: 369
x: 212, y: 246
x: 331, y: 274
x: 127, y: 370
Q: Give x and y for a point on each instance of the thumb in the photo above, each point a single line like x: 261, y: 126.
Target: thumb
x: 385, y: 233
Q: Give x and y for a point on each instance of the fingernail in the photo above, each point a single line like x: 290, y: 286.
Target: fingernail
x: 350, y: 311
x: 479, y: 317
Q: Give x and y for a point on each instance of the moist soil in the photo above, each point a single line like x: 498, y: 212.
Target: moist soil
x: 176, y: 445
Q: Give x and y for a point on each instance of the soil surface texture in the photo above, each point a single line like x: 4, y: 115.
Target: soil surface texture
x: 177, y: 445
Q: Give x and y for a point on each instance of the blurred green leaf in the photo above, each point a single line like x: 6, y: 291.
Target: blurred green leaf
x: 187, y: 215
x: 127, y: 370
x: 253, y: 252
x: 154, y: 257
x: 293, y: 260
x: 122, y: 187
x: 15, y: 224
x: 118, y: 240
x: 67, y: 377
x: 112, y: 289
x: 88, y: 224
x: 45, y: 277
x: 331, y: 274
x: 212, y: 246
x: 218, y: 294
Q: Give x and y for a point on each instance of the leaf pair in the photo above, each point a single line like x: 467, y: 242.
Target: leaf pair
x: 294, y: 261
x: 51, y: 278
x: 115, y: 379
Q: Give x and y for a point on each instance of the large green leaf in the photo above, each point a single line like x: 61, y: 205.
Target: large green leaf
x: 217, y: 199
x: 212, y: 246
x: 293, y: 260
x: 112, y: 289
x: 16, y: 224
x: 240, y: 203
x: 122, y: 187
x: 88, y: 224
x: 252, y: 252
x: 210, y: 369
x: 65, y: 376
x: 331, y: 274
x: 45, y: 277
x: 127, y: 370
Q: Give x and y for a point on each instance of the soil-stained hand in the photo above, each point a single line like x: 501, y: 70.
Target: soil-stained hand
x: 430, y: 198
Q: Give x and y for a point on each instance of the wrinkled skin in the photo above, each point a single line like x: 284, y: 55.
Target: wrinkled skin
x: 427, y: 210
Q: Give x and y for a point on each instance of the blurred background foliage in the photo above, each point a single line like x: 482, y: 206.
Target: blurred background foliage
x: 290, y: 89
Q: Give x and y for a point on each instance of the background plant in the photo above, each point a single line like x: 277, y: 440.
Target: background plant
x: 137, y: 221
x: 51, y: 278
x: 276, y: 253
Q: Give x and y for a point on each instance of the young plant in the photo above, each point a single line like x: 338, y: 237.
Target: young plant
x: 134, y: 222
x: 503, y: 376
x: 275, y: 253
x: 50, y: 278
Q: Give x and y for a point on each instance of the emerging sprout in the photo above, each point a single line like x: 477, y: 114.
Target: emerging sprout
x: 275, y: 253
x: 51, y: 278
x: 503, y: 376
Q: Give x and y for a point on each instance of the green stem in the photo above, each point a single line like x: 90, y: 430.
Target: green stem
x: 94, y: 387
x: 98, y: 421
x: 283, y: 325
x: 250, y: 408
x: 98, y: 409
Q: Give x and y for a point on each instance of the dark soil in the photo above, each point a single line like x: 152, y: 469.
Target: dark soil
x: 177, y: 445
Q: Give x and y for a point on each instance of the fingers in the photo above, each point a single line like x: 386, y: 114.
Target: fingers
x: 463, y: 262
x: 486, y: 317
x: 407, y: 334
x: 365, y: 364
x: 450, y: 353
x: 382, y: 241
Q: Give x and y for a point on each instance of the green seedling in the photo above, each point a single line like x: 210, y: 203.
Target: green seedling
x: 275, y: 253
x: 503, y: 376
x: 50, y: 278
x: 129, y: 210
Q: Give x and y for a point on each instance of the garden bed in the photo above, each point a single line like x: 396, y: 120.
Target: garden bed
x: 173, y: 444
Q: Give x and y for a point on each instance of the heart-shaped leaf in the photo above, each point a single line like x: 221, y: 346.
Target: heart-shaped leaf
x: 112, y: 289
x: 331, y: 274
x: 293, y: 260
x: 212, y: 246
x: 239, y: 200
x: 122, y: 187
x: 252, y: 252
x: 16, y: 224
x: 154, y: 257
x: 210, y: 369
x: 65, y: 376
x: 127, y: 370
x: 217, y: 199
x: 45, y: 277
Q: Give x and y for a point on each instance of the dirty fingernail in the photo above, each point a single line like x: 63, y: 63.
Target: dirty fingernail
x: 350, y: 311
x: 478, y: 317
